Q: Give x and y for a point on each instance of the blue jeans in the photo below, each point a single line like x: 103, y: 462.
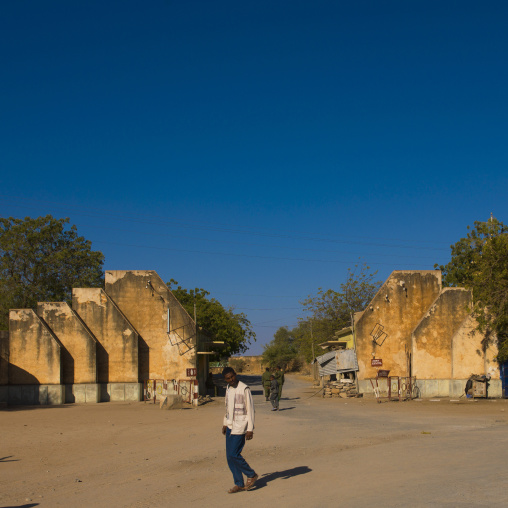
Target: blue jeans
x: 237, y: 464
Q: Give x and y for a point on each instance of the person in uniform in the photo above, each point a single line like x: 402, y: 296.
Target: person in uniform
x: 265, y: 381
x: 279, y: 376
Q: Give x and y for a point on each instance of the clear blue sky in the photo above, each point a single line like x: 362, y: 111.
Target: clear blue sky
x: 257, y: 149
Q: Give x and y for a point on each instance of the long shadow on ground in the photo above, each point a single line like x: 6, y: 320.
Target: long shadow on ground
x: 283, y: 475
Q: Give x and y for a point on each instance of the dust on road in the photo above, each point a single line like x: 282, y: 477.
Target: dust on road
x: 315, y: 452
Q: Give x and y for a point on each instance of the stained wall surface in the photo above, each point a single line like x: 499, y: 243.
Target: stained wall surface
x: 34, y: 352
x: 4, y: 357
x: 166, y: 349
x: 117, y: 339
x: 432, y: 338
x: 469, y: 356
x: 78, y: 354
x: 398, y: 306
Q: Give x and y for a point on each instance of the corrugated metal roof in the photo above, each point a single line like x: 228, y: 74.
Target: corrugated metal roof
x: 346, y: 360
x: 327, y: 364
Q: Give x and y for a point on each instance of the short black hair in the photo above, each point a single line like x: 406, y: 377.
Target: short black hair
x: 268, y: 368
x: 228, y: 370
x: 279, y: 367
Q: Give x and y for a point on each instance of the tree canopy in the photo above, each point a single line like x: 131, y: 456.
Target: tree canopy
x: 480, y: 262
x: 42, y: 259
x: 282, y: 350
x: 215, y: 321
x: 330, y: 310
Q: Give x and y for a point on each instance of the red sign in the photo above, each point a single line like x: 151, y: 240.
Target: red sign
x: 376, y: 362
x: 192, y: 372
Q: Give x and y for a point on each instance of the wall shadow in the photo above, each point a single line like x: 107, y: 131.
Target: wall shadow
x: 143, y: 360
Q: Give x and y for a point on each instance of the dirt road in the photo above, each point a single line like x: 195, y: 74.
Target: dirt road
x: 315, y: 452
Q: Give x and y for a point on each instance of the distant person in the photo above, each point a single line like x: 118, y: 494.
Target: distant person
x: 279, y: 376
x: 238, y: 426
x: 274, y: 393
x: 265, y: 381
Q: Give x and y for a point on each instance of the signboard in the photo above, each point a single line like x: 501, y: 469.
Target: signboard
x: 192, y: 372
x: 376, y: 362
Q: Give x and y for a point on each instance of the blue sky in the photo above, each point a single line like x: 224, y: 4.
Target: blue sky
x: 257, y: 149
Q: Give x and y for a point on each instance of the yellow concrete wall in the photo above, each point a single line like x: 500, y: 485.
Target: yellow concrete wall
x: 432, y: 337
x: 78, y: 353
x: 399, y: 310
x: 34, y: 352
x: 145, y: 299
x: 4, y: 357
x: 251, y: 364
x: 117, y: 348
x: 468, y: 356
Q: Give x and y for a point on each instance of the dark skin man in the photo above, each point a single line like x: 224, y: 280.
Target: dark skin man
x: 232, y: 381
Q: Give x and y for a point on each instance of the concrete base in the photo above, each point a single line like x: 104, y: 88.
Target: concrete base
x: 35, y: 395
x: 82, y: 393
x: 119, y: 392
x: 4, y: 395
x: 429, y: 388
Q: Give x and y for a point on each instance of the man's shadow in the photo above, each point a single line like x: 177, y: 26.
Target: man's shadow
x: 284, y: 475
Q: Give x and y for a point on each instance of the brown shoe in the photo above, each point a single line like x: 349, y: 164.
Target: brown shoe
x: 250, y: 482
x: 236, y: 489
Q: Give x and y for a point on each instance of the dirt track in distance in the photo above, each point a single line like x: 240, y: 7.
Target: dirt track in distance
x: 315, y: 452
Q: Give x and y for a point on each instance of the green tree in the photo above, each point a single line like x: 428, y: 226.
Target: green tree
x: 42, y: 259
x: 480, y: 262
x: 332, y: 310
x: 215, y: 321
x: 282, y: 350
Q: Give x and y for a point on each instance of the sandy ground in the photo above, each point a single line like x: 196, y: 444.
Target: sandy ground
x: 315, y: 452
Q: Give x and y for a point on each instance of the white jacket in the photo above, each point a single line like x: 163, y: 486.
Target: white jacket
x: 240, y: 418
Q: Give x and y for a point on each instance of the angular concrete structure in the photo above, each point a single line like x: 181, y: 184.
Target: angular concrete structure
x: 117, y: 348
x: 167, y: 332
x: 78, y: 354
x: 35, y: 369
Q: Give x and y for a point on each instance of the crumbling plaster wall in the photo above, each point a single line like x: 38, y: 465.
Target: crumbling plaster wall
x: 469, y: 356
x: 78, y: 354
x: 432, y: 352
x: 117, y: 348
x: 34, y: 351
x: 4, y: 357
x: 145, y: 299
x: 398, y: 306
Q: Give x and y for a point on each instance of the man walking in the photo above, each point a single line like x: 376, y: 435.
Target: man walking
x: 274, y: 393
x: 238, y: 426
x: 279, y: 376
x: 265, y: 381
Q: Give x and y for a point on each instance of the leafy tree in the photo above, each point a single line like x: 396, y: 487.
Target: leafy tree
x: 480, y: 262
x: 330, y: 311
x: 467, y: 253
x: 282, y: 350
x: 42, y: 259
x: 215, y: 321
x: 333, y: 310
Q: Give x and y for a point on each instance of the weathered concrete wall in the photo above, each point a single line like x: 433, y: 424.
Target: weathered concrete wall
x: 34, y: 351
x: 4, y: 357
x: 78, y: 354
x: 249, y: 364
x: 398, y: 306
x: 468, y: 356
x: 432, y: 337
x: 117, y: 347
x: 145, y: 299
